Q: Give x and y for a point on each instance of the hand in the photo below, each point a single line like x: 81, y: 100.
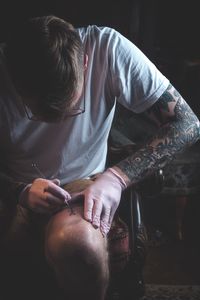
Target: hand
x: 44, y: 196
x: 102, y: 199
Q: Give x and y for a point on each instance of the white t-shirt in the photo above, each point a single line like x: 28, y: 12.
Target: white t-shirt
x: 77, y: 147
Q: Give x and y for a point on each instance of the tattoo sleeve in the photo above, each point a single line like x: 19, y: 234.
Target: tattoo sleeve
x: 178, y: 128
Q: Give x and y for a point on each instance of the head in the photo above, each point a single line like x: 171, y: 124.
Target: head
x: 45, y: 60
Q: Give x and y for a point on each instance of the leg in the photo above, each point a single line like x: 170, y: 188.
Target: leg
x: 20, y: 256
x: 19, y: 235
x: 78, y: 255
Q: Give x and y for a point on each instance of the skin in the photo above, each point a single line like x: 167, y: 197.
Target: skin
x: 77, y: 252
x: 178, y: 128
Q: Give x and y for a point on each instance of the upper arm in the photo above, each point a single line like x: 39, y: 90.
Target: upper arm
x: 170, y: 106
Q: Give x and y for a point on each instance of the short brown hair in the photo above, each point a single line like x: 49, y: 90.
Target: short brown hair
x: 45, y: 60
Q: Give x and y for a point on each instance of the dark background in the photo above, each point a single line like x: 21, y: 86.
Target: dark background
x: 168, y: 32
x: 173, y: 24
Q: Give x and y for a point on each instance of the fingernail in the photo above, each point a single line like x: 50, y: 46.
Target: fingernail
x: 95, y: 225
x: 88, y: 218
x: 67, y: 196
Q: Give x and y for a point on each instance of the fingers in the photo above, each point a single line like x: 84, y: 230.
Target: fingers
x: 112, y: 213
x: 56, y: 191
x: 56, y: 181
x: 46, y: 196
x: 96, y: 213
x: 88, y: 207
x: 106, y: 221
x: 50, y: 204
x: 99, y: 216
x: 52, y: 200
x: 92, y: 211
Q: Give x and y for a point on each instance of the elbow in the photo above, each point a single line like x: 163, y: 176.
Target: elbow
x: 197, y: 128
x: 194, y: 130
x: 188, y: 130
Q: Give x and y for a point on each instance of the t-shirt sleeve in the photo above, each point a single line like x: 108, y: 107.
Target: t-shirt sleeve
x: 136, y: 81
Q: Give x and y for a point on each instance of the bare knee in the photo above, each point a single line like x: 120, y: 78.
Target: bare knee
x: 79, y: 257
x: 84, y: 242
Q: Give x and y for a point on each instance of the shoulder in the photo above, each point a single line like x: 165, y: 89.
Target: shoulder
x: 98, y: 33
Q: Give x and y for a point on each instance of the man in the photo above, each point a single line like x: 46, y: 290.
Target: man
x: 58, y: 96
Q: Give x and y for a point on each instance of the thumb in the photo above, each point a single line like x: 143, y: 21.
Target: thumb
x: 56, y: 181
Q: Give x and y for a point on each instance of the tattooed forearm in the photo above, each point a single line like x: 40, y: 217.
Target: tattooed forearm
x: 179, y: 128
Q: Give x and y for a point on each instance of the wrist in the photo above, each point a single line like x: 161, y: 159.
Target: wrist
x: 123, y: 179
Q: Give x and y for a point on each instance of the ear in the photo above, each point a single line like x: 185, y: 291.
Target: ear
x: 85, y: 61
